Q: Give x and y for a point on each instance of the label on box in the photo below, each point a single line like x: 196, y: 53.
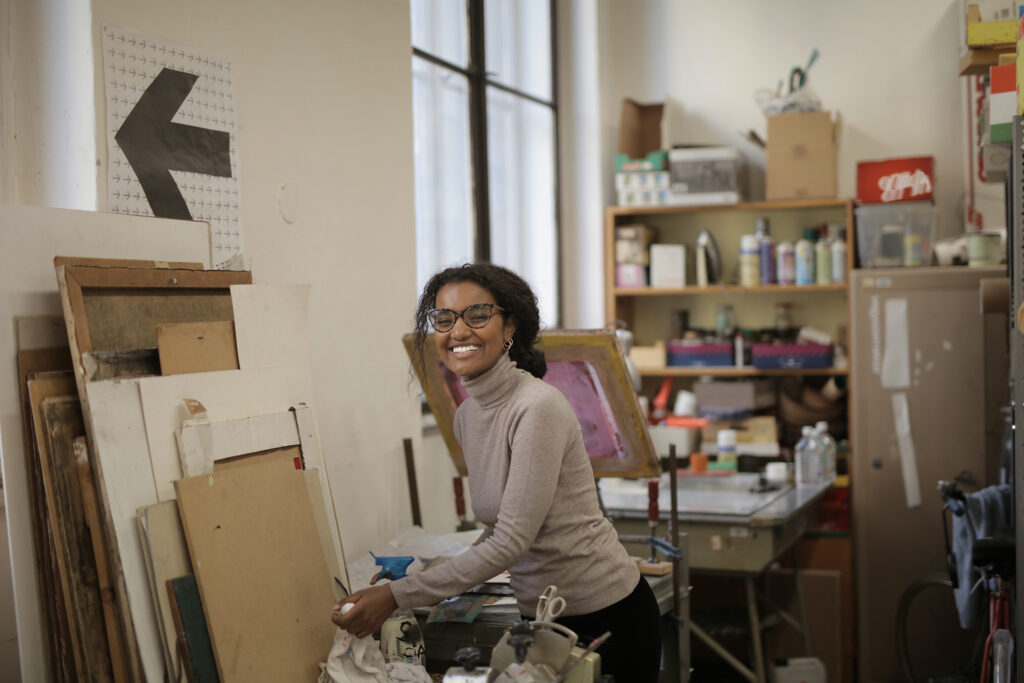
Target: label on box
x: 896, y: 180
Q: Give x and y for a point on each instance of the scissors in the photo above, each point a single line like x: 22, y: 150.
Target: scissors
x: 549, y: 606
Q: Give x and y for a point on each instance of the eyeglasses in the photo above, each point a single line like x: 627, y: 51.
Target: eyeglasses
x: 476, y: 316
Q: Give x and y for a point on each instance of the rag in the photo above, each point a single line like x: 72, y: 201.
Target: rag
x: 353, y: 660
x: 988, y: 514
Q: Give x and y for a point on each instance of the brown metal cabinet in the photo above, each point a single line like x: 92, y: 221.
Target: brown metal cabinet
x: 926, y: 378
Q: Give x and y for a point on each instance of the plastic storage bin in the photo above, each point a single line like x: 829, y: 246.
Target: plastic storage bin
x: 892, y: 235
x: 791, y: 355
x: 686, y: 353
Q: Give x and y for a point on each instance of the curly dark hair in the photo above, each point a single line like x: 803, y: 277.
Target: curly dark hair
x: 509, y: 291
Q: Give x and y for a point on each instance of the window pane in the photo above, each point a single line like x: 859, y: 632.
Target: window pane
x: 439, y: 27
x: 521, y: 160
x: 444, y: 187
x: 518, y: 44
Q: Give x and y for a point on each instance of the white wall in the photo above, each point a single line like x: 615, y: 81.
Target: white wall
x: 323, y: 93
x: 889, y: 69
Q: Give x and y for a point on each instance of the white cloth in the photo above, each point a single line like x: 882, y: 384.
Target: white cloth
x: 404, y: 672
x: 353, y: 660
x: 989, y: 513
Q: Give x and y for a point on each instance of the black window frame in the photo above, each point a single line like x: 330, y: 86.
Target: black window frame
x: 478, y: 80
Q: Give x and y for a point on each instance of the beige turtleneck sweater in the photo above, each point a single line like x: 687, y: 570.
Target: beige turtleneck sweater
x: 533, y: 488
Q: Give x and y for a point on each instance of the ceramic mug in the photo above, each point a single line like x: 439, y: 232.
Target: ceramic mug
x: 984, y: 249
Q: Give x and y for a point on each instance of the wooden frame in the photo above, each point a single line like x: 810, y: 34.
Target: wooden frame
x: 600, y: 354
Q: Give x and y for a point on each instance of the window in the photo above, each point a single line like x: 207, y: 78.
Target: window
x: 485, y: 139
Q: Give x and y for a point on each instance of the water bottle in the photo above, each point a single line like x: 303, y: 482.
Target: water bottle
x: 828, y: 449
x: 1002, y: 656
x: 808, y: 458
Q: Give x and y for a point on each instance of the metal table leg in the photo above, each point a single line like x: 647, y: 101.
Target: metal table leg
x: 808, y: 650
x: 755, y: 630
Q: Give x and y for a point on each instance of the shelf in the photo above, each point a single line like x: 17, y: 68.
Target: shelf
x: 742, y: 206
x: 727, y: 289
x: 728, y: 371
x: 977, y: 61
x: 992, y: 34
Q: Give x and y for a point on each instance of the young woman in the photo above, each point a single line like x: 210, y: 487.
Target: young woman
x: 530, y: 481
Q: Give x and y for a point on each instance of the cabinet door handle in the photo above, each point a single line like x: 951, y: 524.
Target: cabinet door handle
x: 877, y: 463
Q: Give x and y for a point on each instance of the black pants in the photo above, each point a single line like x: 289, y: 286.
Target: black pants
x: 633, y: 652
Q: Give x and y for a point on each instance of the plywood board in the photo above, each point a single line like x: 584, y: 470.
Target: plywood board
x: 166, y: 555
x: 125, y: 475
x: 226, y: 395
x: 261, y: 573
x: 61, y: 419
x: 111, y: 614
x: 272, y: 325
x: 196, y: 347
x: 30, y: 239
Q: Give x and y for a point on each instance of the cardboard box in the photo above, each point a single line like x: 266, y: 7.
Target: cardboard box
x: 668, y: 265
x: 645, y: 131
x: 801, y: 156
x: 909, y: 179
x: 1002, y: 102
x: 630, y: 275
x: 644, y: 357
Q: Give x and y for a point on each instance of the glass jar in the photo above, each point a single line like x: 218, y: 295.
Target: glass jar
x: 725, y: 321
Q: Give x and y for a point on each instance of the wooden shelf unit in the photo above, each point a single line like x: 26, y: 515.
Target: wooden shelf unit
x: 681, y: 224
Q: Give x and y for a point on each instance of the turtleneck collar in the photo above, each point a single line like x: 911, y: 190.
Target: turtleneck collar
x: 495, y: 384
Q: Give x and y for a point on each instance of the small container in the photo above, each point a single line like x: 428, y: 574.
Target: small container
x: 767, y: 247
x: 727, y: 446
x: 823, y: 261
x: 839, y: 257
x: 725, y: 321
x: 785, y: 263
x: 783, y: 319
x: 777, y: 472
x: 750, y: 261
x: 882, y: 230
x: 805, y: 257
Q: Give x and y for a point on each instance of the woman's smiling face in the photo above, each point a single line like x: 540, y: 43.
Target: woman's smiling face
x: 466, y: 351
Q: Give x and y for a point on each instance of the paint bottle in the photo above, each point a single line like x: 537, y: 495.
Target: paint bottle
x: 785, y: 258
x: 805, y: 257
x: 750, y: 261
x: 839, y: 257
x: 401, y: 639
x: 823, y: 260
x: 727, y: 446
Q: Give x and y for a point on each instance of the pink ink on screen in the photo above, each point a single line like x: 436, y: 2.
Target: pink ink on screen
x: 578, y: 382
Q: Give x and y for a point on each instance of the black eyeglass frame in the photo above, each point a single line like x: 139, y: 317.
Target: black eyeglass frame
x: 434, y: 312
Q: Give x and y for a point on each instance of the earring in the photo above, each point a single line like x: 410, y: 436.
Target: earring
x: 508, y: 344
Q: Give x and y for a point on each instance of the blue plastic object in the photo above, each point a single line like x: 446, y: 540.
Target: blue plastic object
x: 393, y: 567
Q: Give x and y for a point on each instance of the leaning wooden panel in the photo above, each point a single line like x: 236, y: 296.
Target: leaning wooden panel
x: 262, y: 577
x: 62, y: 423
x: 196, y: 347
x: 589, y: 368
x: 111, y: 614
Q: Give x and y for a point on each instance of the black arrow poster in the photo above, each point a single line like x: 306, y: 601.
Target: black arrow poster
x: 171, y: 136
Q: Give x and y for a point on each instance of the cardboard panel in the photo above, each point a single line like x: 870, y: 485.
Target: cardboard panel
x: 226, y: 395
x: 260, y: 568
x: 196, y: 347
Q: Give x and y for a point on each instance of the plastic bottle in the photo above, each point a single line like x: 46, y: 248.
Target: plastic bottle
x: 828, y: 450
x: 823, y: 260
x: 805, y: 257
x: 839, y: 257
x: 727, y: 446
x: 750, y: 261
x: 785, y: 260
x: 401, y: 639
x: 767, y: 247
x: 808, y: 459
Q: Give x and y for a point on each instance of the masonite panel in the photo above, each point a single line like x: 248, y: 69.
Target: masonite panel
x: 166, y: 555
x: 61, y: 418
x: 30, y: 239
x: 111, y: 613
x: 125, y: 483
x: 589, y: 368
x: 196, y: 347
x: 226, y: 395
x: 202, y: 443
x: 259, y: 564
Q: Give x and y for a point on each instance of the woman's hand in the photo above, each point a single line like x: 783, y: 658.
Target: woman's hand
x: 372, y: 606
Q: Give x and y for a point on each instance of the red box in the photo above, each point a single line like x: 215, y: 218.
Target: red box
x: 910, y: 179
